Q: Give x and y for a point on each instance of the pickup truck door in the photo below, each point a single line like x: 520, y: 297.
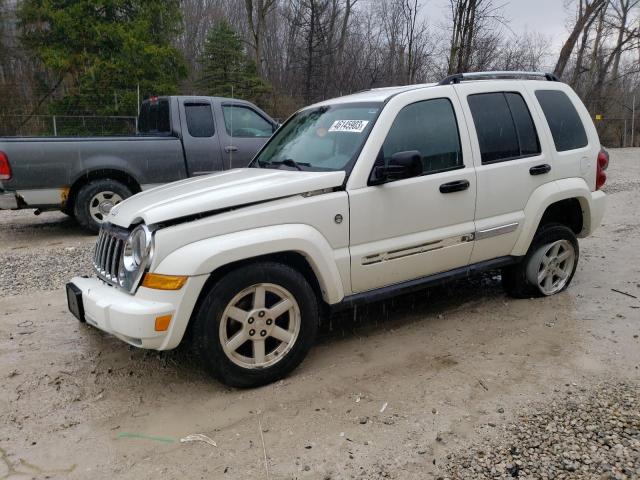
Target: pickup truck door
x: 200, y: 137
x: 423, y: 225
x: 512, y: 157
x: 243, y: 131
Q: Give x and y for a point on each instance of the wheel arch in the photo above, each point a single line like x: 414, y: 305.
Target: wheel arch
x: 300, y: 246
x: 564, y: 201
x: 98, y: 174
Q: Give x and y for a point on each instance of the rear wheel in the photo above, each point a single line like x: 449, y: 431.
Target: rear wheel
x: 256, y: 324
x: 548, y: 267
x: 96, y: 199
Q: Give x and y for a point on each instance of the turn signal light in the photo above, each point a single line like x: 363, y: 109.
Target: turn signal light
x: 162, y: 323
x: 5, y: 168
x: 163, y: 282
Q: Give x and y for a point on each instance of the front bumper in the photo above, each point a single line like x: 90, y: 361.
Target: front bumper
x: 8, y: 201
x: 131, y: 318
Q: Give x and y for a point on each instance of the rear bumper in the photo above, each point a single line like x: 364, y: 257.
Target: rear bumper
x: 8, y: 201
x: 131, y: 318
x: 596, y: 211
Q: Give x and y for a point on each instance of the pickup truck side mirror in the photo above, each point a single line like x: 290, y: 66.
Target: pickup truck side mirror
x: 402, y: 165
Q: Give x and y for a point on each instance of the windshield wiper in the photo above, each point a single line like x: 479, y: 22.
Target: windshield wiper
x: 290, y: 162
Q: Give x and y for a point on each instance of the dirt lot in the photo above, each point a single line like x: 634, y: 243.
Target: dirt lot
x: 398, y: 389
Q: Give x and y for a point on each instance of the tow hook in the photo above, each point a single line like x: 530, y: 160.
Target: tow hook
x: 37, y: 211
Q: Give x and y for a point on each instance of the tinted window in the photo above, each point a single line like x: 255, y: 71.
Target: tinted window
x: 244, y: 122
x: 526, y: 130
x: 430, y: 127
x: 564, y: 122
x: 199, y: 119
x: 504, y: 126
x: 154, y: 117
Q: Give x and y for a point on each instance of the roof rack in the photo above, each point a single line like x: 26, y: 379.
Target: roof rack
x: 459, y: 77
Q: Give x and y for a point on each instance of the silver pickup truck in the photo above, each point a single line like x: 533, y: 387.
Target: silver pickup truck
x: 178, y: 137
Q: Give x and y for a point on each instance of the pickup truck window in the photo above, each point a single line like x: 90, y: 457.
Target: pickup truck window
x: 431, y: 128
x: 199, y: 119
x: 154, y: 118
x: 244, y: 122
x: 504, y: 126
x: 325, y: 138
x: 564, y: 122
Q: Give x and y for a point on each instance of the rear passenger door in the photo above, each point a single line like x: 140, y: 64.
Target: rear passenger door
x: 199, y: 137
x: 511, y: 158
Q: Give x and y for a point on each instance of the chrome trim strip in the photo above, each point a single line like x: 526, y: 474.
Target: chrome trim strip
x: 495, y: 231
x: 417, y: 249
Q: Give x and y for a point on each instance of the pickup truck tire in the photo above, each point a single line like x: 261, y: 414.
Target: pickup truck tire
x: 94, y: 200
x: 548, y: 267
x: 256, y: 324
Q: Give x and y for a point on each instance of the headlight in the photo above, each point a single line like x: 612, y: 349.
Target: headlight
x: 136, y: 256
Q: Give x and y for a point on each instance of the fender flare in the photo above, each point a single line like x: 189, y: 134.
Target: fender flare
x: 205, y: 256
x: 546, y: 195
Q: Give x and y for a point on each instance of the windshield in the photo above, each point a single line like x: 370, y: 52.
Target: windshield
x: 325, y: 138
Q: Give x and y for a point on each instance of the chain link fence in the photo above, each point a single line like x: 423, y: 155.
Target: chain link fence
x: 67, y: 125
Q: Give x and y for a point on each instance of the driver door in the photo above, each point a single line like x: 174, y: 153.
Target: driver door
x: 414, y: 227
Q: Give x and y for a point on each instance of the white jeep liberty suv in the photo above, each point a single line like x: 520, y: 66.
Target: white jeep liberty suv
x: 352, y: 199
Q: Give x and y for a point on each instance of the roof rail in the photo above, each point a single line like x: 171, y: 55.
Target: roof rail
x: 459, y: 77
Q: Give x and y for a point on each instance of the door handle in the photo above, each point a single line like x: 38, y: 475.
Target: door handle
x: 457, y: 186
x: 231, y: 148
x: 540, y: 169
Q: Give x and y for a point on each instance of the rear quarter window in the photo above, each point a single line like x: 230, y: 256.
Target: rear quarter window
x: 563, y: 119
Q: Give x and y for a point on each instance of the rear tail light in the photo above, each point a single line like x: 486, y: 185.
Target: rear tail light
x: 5, y: 168
x: 602, y: 165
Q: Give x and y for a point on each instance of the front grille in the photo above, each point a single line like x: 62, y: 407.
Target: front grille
x: 109, y: 247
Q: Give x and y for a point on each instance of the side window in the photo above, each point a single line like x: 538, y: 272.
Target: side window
x: 504, y: 126
x: 199, y: 119
x: 154, y: 117
x: 563, y: 119
x: 431, y: 128
x: 244, y: 122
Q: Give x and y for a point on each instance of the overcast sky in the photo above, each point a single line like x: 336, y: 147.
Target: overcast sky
x: 544, y: 16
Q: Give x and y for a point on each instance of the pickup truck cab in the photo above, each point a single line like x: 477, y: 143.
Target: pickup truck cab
x: 178, y: 137
x: 353, y: 199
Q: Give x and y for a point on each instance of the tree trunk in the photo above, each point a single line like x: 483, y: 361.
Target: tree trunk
x: 590, y: 10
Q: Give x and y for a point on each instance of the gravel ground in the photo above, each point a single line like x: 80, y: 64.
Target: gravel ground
x: 585, y: 434
x: 45, y: 270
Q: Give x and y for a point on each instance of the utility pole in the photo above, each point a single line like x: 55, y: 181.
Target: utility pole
x: 138, y: 100
x: 633, y: 119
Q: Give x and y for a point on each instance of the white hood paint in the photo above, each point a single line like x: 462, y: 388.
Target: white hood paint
x: 217, y: 191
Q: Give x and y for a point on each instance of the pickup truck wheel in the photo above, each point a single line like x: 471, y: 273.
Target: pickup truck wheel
x: 548, y: 267
x: 256, y: 324
x: 96, y: 199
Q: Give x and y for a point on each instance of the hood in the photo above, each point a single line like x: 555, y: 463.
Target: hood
x: 218, y: 191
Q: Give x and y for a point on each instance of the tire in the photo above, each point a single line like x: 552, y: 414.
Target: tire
x: 553, y: 244
x: 236, y: 294
x: 89, y: 210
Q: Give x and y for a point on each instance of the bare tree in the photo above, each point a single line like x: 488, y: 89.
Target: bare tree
x: 257, y: 11
x: 586, y: 10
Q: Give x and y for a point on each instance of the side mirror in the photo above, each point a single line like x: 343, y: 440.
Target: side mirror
x: 403, y: 165
x: 275, y: 127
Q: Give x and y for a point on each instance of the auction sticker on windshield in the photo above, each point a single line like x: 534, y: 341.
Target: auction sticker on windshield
x: 355, y: 126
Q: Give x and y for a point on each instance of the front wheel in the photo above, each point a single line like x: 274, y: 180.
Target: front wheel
x: 548, y: 267
x: 256, y: 324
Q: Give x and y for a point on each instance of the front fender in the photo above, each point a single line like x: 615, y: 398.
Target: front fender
x: 546, y: 195
x: 205, y: 256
